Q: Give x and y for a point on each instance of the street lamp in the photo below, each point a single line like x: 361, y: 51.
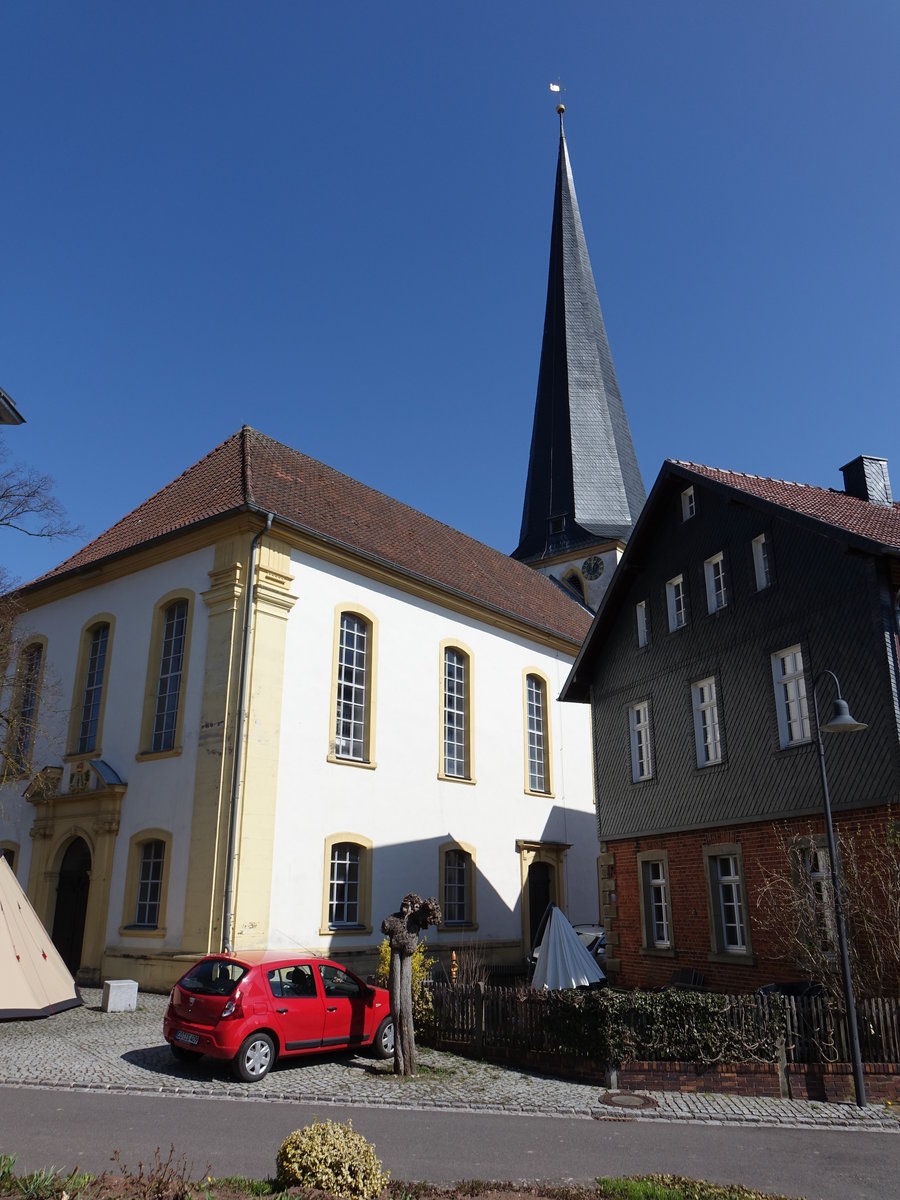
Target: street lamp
x: 840, y: 722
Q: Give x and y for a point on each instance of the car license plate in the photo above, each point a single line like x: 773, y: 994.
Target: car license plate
x: 191, y: 1038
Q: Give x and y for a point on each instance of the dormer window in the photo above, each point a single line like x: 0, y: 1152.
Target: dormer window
x: 688, y: 504
x: 557, y: 525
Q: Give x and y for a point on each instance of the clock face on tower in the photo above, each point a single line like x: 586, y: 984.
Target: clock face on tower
x: 592, y: 567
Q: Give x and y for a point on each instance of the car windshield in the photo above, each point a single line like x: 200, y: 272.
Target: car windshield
x: 213, y: 977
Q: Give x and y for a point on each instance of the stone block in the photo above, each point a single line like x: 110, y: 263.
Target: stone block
x: 119, y: 995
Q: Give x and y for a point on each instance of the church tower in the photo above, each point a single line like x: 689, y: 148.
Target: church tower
x: 584, y: 490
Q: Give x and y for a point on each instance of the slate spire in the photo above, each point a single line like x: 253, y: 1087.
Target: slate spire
x: 584, y: 484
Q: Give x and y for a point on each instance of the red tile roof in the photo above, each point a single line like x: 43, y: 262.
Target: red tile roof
x: 252, y: 470
x: 875, y: 522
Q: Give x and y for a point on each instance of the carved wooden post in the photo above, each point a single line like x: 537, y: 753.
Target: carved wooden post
x: 402, y: 930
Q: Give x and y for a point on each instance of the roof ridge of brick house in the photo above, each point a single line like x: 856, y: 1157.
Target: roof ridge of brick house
x: 694, y: 466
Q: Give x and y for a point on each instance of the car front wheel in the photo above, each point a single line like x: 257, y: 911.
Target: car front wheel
x: 255, y: 1057
x: 383, y: 1044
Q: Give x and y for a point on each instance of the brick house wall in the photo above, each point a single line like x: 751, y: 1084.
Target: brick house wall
x: 644, y: 967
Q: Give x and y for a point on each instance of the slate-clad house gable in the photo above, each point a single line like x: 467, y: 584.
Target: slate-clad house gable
x: 825, y: 589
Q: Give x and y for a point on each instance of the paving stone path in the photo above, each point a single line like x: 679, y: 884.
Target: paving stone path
x: 125, y: 1052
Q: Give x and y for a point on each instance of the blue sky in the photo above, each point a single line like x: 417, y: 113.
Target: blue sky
x: 332, y: 222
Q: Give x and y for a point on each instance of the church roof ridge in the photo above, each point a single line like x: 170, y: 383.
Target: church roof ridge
x: 251, y: 471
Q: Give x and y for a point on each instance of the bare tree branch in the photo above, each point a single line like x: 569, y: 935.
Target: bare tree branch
x: 27, y: 503
x: 797, y: 912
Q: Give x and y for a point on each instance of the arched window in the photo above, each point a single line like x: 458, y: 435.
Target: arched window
x: 456, y: 713
x: 24, y: 709
x: 457, y: 877
x: 354, y: 672
x: 164, y: 698
x: 537, y: 732
x: 168, y: 690
x: 348, y: 879
x: 575, y: 583
x: 90, y: 680
x: 153, y: 855
x: 146, y: 884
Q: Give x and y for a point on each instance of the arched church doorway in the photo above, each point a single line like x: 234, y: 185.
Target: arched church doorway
x: 71, y: 902
x: 541, y: 890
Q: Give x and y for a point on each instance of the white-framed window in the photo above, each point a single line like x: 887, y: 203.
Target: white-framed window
x: 726, y: 893
x: 168, y: 689
x: 817, y: 871
x: 456, y: 713
x: 536, y: 721
x: 351, y: 709
x: 344, y: 885
x: 688, y: 504
x: 716, y: 592
x: 790, y: 696
x: 706, y: 722
x: 676, y: 603
x: 92, y: 700
x: 659, y: 903
x: 731, y: 909
x: 150, y: 882
x: 643, y: 623
x: 762, y: 563
x: 641, y: 752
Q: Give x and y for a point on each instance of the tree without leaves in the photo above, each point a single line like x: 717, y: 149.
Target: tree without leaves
x: 797, y: 910
x: 27, y: 503
x: 402, y: 930
x: 28, y: 506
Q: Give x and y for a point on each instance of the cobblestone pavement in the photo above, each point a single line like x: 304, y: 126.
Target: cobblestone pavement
x: 125, y: 1052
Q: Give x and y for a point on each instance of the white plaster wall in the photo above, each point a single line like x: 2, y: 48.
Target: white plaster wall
x: 401, y: 805
x: 160, y: 792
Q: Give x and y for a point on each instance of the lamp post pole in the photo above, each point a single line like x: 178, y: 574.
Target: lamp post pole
x: 841, y: 722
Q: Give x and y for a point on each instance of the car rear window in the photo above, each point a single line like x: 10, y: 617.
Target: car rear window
x: 213, y: 977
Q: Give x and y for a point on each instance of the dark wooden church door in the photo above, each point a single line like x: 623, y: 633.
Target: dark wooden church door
x: 71, y: 903
x: 540, y: 892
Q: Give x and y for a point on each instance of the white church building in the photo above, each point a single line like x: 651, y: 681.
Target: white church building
x: 271, y: 701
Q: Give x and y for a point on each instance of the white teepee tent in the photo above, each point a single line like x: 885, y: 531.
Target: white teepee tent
x: 34, y: 980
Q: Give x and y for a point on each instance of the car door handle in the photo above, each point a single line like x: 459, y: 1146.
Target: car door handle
x: 281, y: 1010
x: 333, y: 1008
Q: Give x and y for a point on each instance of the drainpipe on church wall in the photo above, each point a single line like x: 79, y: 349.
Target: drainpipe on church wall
x: 243, y: 706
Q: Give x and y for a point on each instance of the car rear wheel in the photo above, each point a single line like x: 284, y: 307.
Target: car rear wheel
x: 255, y: 1057
x: 383, y: 1044
x: 183, y: 1054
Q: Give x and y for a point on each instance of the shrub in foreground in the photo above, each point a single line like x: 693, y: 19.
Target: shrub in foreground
x: 330, y: 1156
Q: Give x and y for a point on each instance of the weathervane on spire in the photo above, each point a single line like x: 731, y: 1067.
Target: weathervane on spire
x: 560, y: 108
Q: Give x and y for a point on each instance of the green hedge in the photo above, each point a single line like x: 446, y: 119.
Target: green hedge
x: 670, y: 1026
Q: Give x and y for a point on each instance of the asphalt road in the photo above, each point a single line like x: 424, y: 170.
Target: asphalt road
x: 65, y: 1129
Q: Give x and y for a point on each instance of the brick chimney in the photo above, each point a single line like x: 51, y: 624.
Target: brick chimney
x: 867, y: 479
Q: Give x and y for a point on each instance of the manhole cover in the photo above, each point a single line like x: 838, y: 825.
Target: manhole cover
x: 627, y: 1100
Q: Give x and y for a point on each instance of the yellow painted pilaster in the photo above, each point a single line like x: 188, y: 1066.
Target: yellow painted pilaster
x: 259, y: 790
x: 204, y: 893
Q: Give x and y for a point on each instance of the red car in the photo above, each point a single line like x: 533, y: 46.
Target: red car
x: 261, y: 1005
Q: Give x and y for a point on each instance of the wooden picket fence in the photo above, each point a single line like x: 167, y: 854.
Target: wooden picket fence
x: 495, y: 1018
